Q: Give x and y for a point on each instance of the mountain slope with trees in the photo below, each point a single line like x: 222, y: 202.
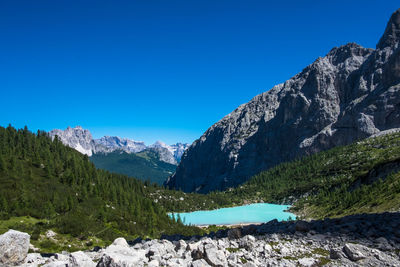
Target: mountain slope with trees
x: 144, y: 165
x: 48, y: 181
x: 363, y: 177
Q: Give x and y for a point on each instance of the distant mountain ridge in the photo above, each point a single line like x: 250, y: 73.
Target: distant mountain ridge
x: 350, y: 94
x: 82, y: 140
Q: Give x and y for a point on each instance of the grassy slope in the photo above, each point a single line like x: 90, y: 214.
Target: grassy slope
x: 144, y: 166
x: 341, y: 181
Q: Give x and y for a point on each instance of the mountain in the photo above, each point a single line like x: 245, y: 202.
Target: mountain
x: 144, y: 165
x: 116, y: 143
x: 82, y: 140
x: 347, y: 95
x: 78, y: 138
x: 55, y: 187
x: 171, y: 154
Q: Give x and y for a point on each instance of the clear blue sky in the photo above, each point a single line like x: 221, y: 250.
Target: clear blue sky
x: 164, y: 70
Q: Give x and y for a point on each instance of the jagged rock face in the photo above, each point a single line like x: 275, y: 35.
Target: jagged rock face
x: 164, y: 154
x: 77, y: 138
x: 178, y: 149
x: 82, y: 140
x: 125, y: 144
x: 169, y: 153
x: 350, y: 94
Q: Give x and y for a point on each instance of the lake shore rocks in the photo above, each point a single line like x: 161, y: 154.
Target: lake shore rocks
x: 359, y: 240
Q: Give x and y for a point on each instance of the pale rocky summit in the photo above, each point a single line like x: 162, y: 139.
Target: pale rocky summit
x: 82, y: 140
x: 14, y: 246
x: 351, y: 93
x: 77, y: 138
x: 114, y: 142
x: 169, y: 153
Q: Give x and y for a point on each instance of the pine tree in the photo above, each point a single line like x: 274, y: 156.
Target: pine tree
x: 3, y: 166
x: 3, y: 204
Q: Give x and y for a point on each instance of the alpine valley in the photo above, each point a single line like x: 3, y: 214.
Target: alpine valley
x: 126, y: 156
x: 326, y: 143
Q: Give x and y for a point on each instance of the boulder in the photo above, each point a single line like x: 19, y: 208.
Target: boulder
x: 80, y: 259
x: 120, y: 241
x: 120, y: 260
x: 34, y: 259
x: 153, y: 263
x: 120, y: 254
x: 199, y: 263
x: 307, y: 262
x: 214, y: 256
x: 14, y: 246
x: 57, y: 264
x: 180, y: 245
x: 354, y: 251
x: 247, y: 242
x: 336, y: 254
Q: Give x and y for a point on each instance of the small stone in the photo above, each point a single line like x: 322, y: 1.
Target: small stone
x: 50, y: 234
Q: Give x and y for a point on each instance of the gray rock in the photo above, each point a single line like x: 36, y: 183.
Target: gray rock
x: 80, y: 259
x: 214, y: 256
x: 120, y: 255
x: 181, y: 245
x: 336, y: 254
x: 153, y: 263
x: 34, y: 259
x: 57, y: 264
x: 14, y: 246
x: 120, y: 260
x: 354, y: 251
x: 120, y: 242
x: 350, y: 94
x: 302, y: 226
x: 199, y: 263
x: 307, y: 262
x: 234, y: 233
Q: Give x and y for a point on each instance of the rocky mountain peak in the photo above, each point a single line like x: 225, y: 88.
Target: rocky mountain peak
x: 391, y: 36
x: 81, y: 139
x: 340, y: 54
x: 77, y: 138
x: 349, y: 94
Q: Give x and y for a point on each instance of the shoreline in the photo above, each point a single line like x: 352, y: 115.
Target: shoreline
x: 240, y: 224
x: 230, y: 225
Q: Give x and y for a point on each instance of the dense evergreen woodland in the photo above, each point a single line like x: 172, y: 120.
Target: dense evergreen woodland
x: 144, y: 165
x: 46, y: 180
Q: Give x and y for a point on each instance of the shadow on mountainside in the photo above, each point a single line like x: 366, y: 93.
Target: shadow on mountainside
x: 354, y: 227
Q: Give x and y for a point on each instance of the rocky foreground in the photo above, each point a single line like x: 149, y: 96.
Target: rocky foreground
x: 360, y: 240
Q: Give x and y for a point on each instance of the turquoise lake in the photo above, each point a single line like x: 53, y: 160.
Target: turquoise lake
x: 253, y: 213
